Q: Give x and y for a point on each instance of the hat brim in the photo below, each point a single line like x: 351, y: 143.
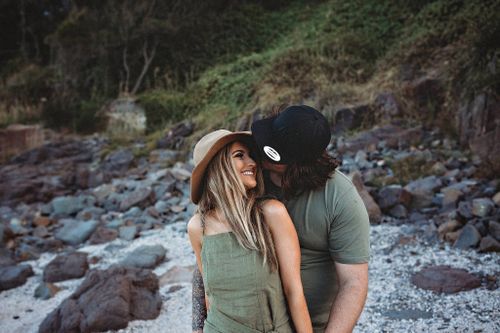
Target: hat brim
x: 198, y: 173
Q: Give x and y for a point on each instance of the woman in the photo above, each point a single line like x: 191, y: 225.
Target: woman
x: 243, y: 243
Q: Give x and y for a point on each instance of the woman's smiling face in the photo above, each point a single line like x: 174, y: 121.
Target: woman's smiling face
x: 244, y: 165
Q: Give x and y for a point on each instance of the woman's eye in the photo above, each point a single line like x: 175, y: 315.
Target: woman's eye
x: 238, y: 155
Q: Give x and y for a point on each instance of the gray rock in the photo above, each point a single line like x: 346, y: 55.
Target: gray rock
x: 118, y: 161
x: 17, y: 227
x: 465, y: 210
x: 68, y: 205
x: 146, y: 256
x: 46, y: 290
x: 180, y: 173
x: 468, y: 238
x: 496, y: 199
x: 14, y: 276
x: 26, y: 251
x: 482, y: 207
x: 132, y: 212
x: 399, y: 211
x: 451, y: 196
x: 423, y: 190
x: 128, y: 232
x: 115, y: 223
x: 489, y: 244
x: 107, y: 300
x: 91, y: 213
x: 164, y: 156
x: 65, y: 267
x: 142, y: 196
x: 494, y: 229
x: 393, y: 195
x: 75, y: 232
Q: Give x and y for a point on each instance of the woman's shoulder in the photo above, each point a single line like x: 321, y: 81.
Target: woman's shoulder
x: 195, y: 225
x: 273, y: 208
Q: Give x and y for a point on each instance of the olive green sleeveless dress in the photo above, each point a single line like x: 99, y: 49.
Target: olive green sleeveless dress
x: 244, y: 295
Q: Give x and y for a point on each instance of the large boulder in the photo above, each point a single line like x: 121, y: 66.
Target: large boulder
x: 125, y: 118
x: 107, y: 300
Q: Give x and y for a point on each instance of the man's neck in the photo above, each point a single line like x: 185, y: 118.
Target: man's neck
x: 275, y: 178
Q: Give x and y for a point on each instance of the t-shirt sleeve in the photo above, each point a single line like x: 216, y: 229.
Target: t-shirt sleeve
x: 349, y: 235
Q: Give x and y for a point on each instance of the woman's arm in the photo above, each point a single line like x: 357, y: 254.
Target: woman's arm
x: 195, y: 232
x: 287, y: 248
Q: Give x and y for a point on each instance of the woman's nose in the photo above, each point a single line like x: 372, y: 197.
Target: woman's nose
x: 251, y: 161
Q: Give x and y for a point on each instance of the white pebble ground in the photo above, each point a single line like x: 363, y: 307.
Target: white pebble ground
x: 391, y: 296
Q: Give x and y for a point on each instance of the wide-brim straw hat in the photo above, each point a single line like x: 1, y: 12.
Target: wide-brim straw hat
x: 205, y: 150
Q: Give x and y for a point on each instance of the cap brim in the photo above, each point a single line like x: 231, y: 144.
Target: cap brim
x: 199, y: 171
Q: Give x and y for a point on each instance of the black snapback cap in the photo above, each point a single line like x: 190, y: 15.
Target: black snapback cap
x: 299, y: 133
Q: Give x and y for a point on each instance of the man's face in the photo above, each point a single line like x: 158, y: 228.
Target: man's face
x: 273, y: 167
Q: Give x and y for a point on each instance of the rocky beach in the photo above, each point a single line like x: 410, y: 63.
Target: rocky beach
x: 94, y: 239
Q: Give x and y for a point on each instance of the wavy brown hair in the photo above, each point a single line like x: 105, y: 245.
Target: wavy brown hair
x: 307, y: 176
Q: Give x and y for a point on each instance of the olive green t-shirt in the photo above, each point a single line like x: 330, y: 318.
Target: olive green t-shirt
x: 333, y: 226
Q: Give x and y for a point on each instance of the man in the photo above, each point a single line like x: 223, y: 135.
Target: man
x: 328, y: 213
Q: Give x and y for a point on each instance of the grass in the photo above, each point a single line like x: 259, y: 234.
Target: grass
x: 328, y: 54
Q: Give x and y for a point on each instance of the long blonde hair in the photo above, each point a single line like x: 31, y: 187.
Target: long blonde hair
x: 225, y: 192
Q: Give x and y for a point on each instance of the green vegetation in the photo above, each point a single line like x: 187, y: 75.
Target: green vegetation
x: 214, y: 61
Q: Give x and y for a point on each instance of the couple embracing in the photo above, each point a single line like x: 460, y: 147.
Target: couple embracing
x: 281, y: 237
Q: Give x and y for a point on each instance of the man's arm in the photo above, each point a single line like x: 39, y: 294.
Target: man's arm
x: 199, y: 308
x: 351, y: 297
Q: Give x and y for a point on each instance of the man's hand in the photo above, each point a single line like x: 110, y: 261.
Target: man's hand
x: 350, y: 300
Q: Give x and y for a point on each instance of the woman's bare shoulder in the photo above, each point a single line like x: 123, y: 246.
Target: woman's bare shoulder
x: 194, y: 225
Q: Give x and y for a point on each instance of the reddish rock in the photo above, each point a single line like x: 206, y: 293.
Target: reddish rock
x: 107, y: 300
x: 373, y: 209
x: 65, y: 267
x: 103, y: 235
x: 445, y: 279
x: 489, y: 244
x: 42, y: 221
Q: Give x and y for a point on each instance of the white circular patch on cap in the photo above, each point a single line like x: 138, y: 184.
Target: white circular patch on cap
x: 272, y: 153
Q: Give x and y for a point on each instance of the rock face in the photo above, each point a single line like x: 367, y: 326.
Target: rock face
x: 478, y: 123
x: 17, y: 138
x: 107, y: 300
x: 445, y: 279
x: 65, y: 267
